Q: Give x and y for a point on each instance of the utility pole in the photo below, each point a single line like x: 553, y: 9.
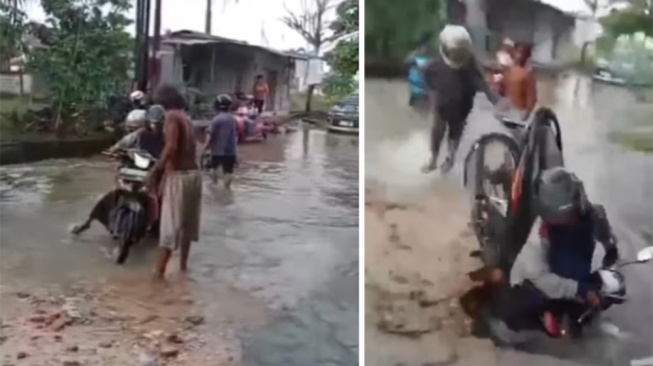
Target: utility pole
x: 156, y: 40
x: 209, y: 16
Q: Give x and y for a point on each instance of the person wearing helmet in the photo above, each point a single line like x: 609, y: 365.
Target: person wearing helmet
x: 221, y: 140
x: 150, y: 138
x: 418, y: 61
x: 137, y: 99
x: 452, y: 82
x: 134, y: 124
x: 553, y: 277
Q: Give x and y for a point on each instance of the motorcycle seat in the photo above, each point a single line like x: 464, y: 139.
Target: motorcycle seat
x: 513, y: 124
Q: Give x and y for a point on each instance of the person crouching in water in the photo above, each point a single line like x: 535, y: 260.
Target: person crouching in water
x: 553, y: 278
x: 221, y: 140
x: 452, y: 83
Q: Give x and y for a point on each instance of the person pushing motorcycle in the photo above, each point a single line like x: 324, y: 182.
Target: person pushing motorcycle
x: 553, y: 278
x: 145, y: 131
x: 452, y: 82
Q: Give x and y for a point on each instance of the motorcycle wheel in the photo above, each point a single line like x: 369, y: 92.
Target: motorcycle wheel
x: 488, y: 220
x: 126, y: 235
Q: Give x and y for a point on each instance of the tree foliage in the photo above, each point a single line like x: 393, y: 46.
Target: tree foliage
x: 12, y: 28
x: 636, y: 18
x: 344, y: 57
x: 88, y: 52
x: 393, y: 28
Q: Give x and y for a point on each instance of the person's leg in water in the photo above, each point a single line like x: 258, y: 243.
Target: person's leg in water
x: 180, y: 219
x: 456, y: 129
x: 437, y: 134
x: 229, y: 162
x: 216, y: 162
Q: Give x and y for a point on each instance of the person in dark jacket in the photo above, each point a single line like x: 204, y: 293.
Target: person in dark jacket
x: 554, y: 277
x: 452, y: 82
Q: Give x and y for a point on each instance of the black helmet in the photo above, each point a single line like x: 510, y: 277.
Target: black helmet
x: 560, y: 192
x: 223, y: 102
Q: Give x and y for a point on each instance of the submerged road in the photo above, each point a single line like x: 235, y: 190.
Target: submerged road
x: 590, y: 114
x: 277, y: 260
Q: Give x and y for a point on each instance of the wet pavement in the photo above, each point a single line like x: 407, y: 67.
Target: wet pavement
x: 621, y: 179
x: 277, y: 260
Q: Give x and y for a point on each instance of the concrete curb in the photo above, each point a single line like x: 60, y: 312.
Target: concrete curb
x: 19, y: 152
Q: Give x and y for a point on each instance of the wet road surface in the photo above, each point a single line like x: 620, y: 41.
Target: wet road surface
x: 279, y: 254
x: 622, y: 180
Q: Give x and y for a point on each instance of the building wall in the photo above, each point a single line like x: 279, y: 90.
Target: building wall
x: 523, y: 21
x: 234, y: 69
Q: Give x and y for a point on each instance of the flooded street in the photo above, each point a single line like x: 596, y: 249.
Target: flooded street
x: 275, y: 273
x: 431, y: 213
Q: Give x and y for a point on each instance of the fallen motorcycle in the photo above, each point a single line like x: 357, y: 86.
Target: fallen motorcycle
x: 613, y: 291
x: 129, y: 210
x: 502, y: 224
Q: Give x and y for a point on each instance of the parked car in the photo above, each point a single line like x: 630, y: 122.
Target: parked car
x: 632, y: 71
x: 343, y: 117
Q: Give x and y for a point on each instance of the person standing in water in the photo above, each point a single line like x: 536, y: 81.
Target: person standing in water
x: 520, y: 85
x: 453, y: 81
x: 221, y: 141
x: 181, y: 186
x: 419, y: 60
x: 261, y: 92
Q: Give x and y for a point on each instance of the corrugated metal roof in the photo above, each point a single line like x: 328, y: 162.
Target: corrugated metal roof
x: 191, y: 38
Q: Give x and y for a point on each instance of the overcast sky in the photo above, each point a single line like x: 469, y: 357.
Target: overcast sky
x: 243, y: 20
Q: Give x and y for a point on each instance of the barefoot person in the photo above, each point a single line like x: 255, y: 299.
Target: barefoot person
x: 221, y: 140
x: 452, y: 83
x: 182, y: 182
x: 261, y: 92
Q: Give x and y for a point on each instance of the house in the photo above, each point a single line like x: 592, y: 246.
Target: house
x: 216, y: 65
x: 547, y: 24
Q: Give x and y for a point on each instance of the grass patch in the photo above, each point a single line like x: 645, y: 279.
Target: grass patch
x: 319, y: 102
x: 638, y: 141
x: 12, y: 110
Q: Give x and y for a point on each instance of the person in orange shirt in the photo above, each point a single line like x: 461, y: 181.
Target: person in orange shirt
x: 519, y: 83
x: 260, y: 92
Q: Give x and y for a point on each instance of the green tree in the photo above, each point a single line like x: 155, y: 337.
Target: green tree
x: 12, y: 27
x: 88, y: 54
x: 637, y: 17
x: 392, y: 28
x: 344, y: 57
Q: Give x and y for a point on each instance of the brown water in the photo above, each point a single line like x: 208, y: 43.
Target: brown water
x: 276, y: 267
x: 397, y: 146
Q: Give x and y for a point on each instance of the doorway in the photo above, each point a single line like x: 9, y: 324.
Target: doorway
x: 271, y: 77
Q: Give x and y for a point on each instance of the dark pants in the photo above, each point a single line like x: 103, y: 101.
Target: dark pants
x: 259, y: 103
x: 227, y: 162
x: 441, y: 123
x: 521, y: 307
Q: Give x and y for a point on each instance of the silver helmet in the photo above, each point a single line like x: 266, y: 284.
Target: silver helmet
x: 455, y: 45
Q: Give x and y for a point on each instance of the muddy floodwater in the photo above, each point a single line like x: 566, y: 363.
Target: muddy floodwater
x: 418, y: 242
x: 273, y: 279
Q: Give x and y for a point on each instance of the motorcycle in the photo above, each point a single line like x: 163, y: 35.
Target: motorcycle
x: 502, y: 225
x: 613, y: 291
x: 129, y: 210
x: 250, y: 130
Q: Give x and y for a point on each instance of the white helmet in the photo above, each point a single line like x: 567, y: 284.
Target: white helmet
x: 135, y: 119
x: 136, y: 95
x: 455, y: 45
